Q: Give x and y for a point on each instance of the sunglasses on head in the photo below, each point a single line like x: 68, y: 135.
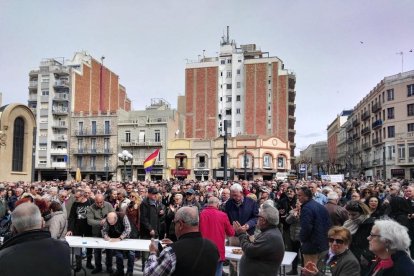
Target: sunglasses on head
x: 338, y: 241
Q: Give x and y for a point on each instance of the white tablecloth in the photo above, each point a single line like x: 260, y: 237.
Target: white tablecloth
x: 127, y: 244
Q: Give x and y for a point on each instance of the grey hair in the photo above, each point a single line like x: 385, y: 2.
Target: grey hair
x: 332, y: 196
x: 213, y: 201
x: 270, y: 214
x: 268, y: 202
x: 393, y: 234
x: 189, y: 215
x: 123, y: 192
x: 26, y: 217
x: 236, y: 188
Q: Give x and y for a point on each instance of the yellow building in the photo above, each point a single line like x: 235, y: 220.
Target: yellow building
x: 253, y: 156
x: 17, y: 124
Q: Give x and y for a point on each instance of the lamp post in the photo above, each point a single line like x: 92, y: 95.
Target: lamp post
x: 124, y: 157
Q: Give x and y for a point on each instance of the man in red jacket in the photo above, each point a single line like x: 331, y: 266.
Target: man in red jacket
x: 215, y: 225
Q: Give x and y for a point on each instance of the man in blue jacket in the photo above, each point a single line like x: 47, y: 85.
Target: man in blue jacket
x: 242, y: 209
x: 315, y: 223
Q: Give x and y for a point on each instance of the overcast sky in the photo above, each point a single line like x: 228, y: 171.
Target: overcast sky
x: 339, y: 50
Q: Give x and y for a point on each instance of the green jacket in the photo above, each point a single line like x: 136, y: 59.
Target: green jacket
x: 95, y: 214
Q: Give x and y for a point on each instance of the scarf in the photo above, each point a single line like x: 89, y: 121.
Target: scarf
x: 383, y: 264
x: 353, y: 224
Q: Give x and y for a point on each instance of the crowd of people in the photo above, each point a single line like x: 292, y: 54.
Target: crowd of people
x: 356, y: 227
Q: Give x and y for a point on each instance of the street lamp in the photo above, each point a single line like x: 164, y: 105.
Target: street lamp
x: 124, y: 157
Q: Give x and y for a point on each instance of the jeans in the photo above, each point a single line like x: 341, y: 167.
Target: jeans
x: 219, y: 269
x: 98, y: 259
x: 119, y: 255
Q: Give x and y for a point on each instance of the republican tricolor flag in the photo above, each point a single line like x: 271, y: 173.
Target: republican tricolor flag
x: 149, y: 162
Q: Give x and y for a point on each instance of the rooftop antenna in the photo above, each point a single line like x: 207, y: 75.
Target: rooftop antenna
x: 228, y: 34
x: 204, y: 51
x: 402, y: 60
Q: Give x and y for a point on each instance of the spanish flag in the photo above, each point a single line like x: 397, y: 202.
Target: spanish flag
x: 149, y: 162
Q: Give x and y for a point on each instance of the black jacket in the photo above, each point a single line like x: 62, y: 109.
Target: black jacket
x: 195, y: 255
x: 34, y: 253
x: 150, y: 218
x: 403, y: 266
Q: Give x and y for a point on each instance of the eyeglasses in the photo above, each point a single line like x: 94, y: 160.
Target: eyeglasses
x: 338, y: 241
x: 374, y: 235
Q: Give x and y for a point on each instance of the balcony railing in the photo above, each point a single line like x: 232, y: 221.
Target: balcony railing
x: 376, y: 124
x: 92, y: 151
x: 33, y: 84
x: 376, y: 107
x: 377, y: 162
x: 60, y: 138
x: 349, y: 127
x: 366, y: 146
x: 365, y: 115
x: 58, y: 151
x: 63, y: 83
x: 356, y: 136
x: 137, y: 143
x: 201, y: 165
x: 356, y: 122
x: 376, y: 141
x: 88, y: 132
x: 365, y: 130
x: 60, y: 110
x: 60, y: 165
x: 61, y: 97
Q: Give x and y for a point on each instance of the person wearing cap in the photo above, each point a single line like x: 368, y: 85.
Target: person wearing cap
x: 190, y: 199
x: 152, y: 211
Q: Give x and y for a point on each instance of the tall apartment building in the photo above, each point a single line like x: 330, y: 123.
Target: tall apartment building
x: 56, y: 90
x: 381, y: 132
x: 334, y: 140
x: 141, y: 132
x: 245, y: 86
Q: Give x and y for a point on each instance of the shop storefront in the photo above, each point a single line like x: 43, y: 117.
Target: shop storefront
x: 180, y: 173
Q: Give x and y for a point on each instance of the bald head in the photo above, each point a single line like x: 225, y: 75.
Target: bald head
x: 112, y: 218
x: 26, y: 217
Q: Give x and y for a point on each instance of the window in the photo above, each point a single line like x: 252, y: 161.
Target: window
x: 79, y: 162
x: 222, y: 61
x: 391, y: 131
x: 410, y: 90
x: 280, y: 162
x: 237, y: 110
x: 93, y: 127
x: 157, y: 136
x: 401, y: 151
x: 93, y: 144
x: 228, y: 99
x: 141, y: 137
x: 390, y: 94
x: 107, y: 129
x: 80, y: 127
x: 410, y: 109
x: 239, y: 60
x: 238, y: 71
x: 18, y: 145
x: 228, y: 75
x: 127, y: 136
x: 391, y: 152
x: 410, y: 127
x: 229, y: 61
x: 267, y: 161
x: 221, y: 74
x: 390, y: 112
x: 221, y: 99
x: 228, y: 85
x: 410, y: 152
x: 80, y: 145
x: 106, y: 144
x: 93, y: 162
x: 245, y: 161
x: 228, y: 111
x: 45, y: 92
x: 238, y: 84
x: 106, y: 162
x: 238, y: 98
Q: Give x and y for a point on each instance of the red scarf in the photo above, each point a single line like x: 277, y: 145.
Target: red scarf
x: 383, y: 264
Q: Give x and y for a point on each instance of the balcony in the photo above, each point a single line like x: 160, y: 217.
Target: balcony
x: 60, y: 165
x: 376, y: 141
x: 136, y: 143
x: 62, y: 137
x: 61, y: 83
x: 60, y: 125
x: 60, y: 111
x: 377, y: 162
x: 58, y: 151
x: 156, y: 121
x: 349, y: 127
x: 366, y: 146
x: 33, y: 84
x: 377, y: 124
x: 92, y: 151
x: 405, y: 162
x: 140, y: 162
x: 44, y: 98
x: 355, y: 136
x: 292, y: 96
x: 61, y: 97
x: 376, y: 107
x: 201, y: 165
x: 88, y: 132
x: 365, y: 130
x: 365, y: 115
x: 366, y: 164
x: 356, y: 122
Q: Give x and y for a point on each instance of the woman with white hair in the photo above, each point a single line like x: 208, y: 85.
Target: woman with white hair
x: 389, y: 241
